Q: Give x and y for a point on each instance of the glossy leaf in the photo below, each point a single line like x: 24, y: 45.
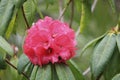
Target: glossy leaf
x: 29, y: 9
x: 64, y: 72
x: 22, y: 63
x: 6, y: 10
x: 113, y: 66
x: 34, y: 72
x: 89, y: 44
x: 6, y: 46
x: 75, y: 70
x: 116, y: 77
x: 44, y: 73
x: 102, y: 54
x: 118, y: 41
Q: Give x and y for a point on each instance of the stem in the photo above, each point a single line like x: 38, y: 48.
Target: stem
x: 60, y: 8
x: 7, y: 61
x: 93, y: 5
x: 77, y: 32
x: 86, y: 71
x: 119, y: 22
x: 25, y: 18
x: 63, y: 11
x: 72, y: 13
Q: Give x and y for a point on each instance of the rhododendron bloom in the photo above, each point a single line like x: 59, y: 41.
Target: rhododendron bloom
x: 49, y: 41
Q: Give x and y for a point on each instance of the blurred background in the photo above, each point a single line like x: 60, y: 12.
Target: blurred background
x: 98, y: 21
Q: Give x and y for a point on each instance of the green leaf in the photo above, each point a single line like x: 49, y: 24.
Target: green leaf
x: 6, y: 10
x: 112, y: 4
x: 2, y: 59
x: 116, y: 77
x: 113, y: 66
x: 75, y: 70
x: 64, y: 72
x: 11, y: 24
x: 29, y: 9
x: 85, y: 15
x: 44, y: 73
x: 19, y: 3
x: 28, y: 69
x: 102, y: 54
x: 50, y: 1
x: 6, y: 46
x: 93, y: 42
x: 20, y: 25
x: 34, y: 72
x: 54, y: 73
x: 118, y: 41
x: 22, y: 63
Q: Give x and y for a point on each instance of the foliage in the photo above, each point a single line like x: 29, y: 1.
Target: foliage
x: 96, y: 58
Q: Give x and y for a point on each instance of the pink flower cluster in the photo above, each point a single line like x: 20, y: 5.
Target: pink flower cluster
x: 49, y: 41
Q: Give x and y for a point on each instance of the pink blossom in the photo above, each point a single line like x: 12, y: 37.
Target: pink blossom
x: 49, y: 41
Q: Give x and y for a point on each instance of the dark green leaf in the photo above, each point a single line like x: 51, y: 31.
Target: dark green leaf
x: 113, y: 66
x: 116, y: 77
x: 6, y: 10
x: 44, y: 73
x: 118, y: 41
x: 89, y: 44
x: 28, y: 69
x: 22, y: 63
x: 6, y: 46
x: 34, y: 72
x: 75, y: 70
x: 102, y: 54
x: 2, y: 59
x: 54, y: 73
x: 64, y: 72
x: 29, y: 9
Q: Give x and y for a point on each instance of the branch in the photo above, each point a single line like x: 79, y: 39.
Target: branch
x: 72, y: 13
x: 7, y: 61
x: 60, y: 8
x: 93, y: 5
x: 86, y: 71
x: 63, y: 11
x: 25, y: 18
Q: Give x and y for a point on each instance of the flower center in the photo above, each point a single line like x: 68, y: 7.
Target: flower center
x: 49, y: 50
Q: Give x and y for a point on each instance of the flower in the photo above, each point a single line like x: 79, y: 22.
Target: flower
x: 49, y: 41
